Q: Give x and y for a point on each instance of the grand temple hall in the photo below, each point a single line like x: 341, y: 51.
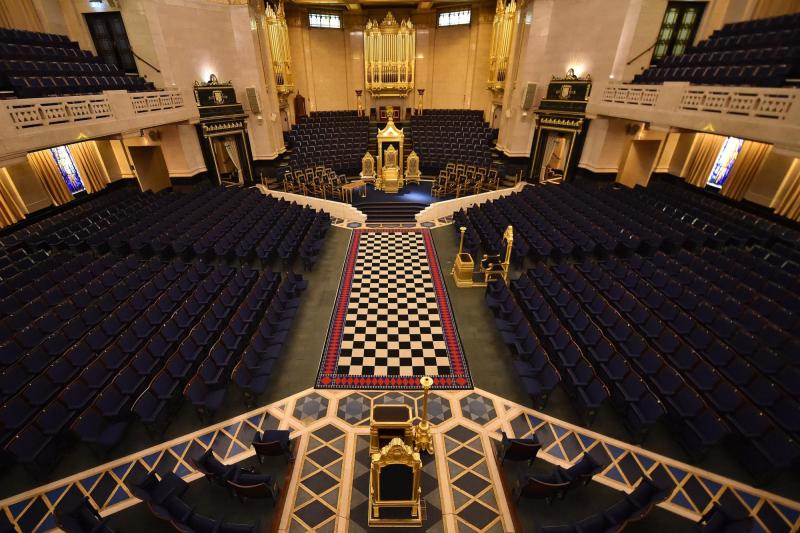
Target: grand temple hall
x: 445, y: 266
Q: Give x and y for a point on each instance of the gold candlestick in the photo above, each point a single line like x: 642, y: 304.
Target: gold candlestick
x: 422, y: 433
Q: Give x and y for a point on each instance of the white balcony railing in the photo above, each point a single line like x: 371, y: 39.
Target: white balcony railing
x: 767, y: 114
x: 41, y: 112
x: 31, y: 124
x: 156, y: 101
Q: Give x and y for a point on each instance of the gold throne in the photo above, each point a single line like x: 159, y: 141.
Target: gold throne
x: 394, y: 486
x: 390, y: 180
x: 390, y: 162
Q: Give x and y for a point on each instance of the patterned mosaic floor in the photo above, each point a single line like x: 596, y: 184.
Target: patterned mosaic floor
x: 327, y: 487
x: 392, y: 323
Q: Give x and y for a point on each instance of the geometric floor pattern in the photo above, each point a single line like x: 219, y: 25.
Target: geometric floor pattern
x: 391, y: 323
x: 463, y: 489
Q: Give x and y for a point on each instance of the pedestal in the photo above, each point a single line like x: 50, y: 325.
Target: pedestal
x: 462, y: 270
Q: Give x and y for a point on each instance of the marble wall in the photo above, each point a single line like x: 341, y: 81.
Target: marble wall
x: 451, y: 63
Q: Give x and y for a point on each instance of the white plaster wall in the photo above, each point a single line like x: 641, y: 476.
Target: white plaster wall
x: 195, y: 39
x: 181, y: 149
x: 638, y: 164
x: 605, y: 144
x: 30, y: 189
x: 328, y: 56
x: 137, y: 26
x: 450, y: 62
x: 645, y: 31
x: 769, y: 178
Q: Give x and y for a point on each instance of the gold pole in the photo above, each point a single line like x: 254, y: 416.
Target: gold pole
x: 509, y: 237
x: 461, y: 243
x: 422, y: 433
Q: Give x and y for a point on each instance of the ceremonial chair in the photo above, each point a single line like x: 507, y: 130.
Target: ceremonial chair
x: 439, y: 187
x: 368, y: 167
x: 492, y: 267
x: 390, y: 179
x: 394, y: 486
x: 412, y: 168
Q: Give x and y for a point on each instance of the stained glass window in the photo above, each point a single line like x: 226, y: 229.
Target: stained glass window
x: 68, y: 169
x: 678, y: 29
x: 324, y: 20
x: 455, y: 18
x: 724, y: 162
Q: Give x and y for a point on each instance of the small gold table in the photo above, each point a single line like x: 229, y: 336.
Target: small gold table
x: 348, y: 188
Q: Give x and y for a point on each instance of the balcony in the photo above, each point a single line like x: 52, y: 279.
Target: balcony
x: 32, y: 124
x: 766, y: 114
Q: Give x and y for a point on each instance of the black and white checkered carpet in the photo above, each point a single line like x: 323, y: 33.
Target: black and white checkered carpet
x: 392, y: 322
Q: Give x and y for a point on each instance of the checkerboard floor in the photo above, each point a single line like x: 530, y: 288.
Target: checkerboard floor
x: 391, y: 301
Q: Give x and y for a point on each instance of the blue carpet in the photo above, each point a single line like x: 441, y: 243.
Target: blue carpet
x: 413, y: 193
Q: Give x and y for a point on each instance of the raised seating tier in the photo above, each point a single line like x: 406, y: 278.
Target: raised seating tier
x: 763, y: 52
x: 446, y: 135
x: 36, y: 64
x: 337, y: 139
x: 575, y: 221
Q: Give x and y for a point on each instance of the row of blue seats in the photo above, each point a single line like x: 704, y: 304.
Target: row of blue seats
x: 194, y: 327
x: 724, y: 379
x: 69, y: 370
x: 217, y: 222
x: 40, y: 86
x: 17, y: 36
x: 51, y: 52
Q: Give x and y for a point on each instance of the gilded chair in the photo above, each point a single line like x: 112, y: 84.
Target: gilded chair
x: 439, y: 187
x: 288, y: 185
x: 412, y: 168
x: 300, y: 182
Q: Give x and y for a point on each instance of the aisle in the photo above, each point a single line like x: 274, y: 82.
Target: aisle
x: 392, y: 322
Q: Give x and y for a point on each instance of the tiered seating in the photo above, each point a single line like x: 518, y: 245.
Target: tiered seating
x: 164, y: 497
x: 115, y: 340
x: 573, y: 221
x: 712, y: 374
x: 763, y: 52
x: 249, y: 346
x: 337, y: 139
x: 36, y: 64
x: 458, y: 179
x: 217, y: 222
x: 320, y: 181
x: 632, y: 507
x: 559, y: 481
x: 243, y: 482
x: 75, y: 210
x: 445, y: 135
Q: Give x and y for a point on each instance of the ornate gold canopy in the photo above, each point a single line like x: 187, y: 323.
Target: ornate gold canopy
x: 389, y: 136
